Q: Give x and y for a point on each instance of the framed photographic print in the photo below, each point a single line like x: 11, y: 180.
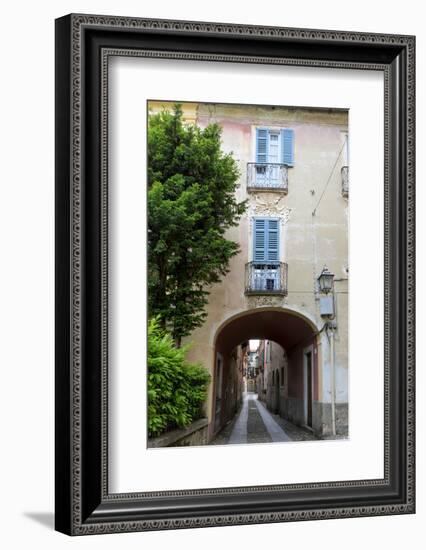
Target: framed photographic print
x: 234, y: 304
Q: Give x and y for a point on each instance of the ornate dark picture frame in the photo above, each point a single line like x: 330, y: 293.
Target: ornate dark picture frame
x: 84, y: 44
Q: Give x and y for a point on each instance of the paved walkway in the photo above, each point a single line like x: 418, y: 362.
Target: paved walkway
x: 255, y: 424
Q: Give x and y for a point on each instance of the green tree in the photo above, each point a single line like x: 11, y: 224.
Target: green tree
x: 177, y: 389
x: 191, y: 204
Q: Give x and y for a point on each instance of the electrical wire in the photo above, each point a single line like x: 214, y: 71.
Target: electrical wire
x: 329, y: 179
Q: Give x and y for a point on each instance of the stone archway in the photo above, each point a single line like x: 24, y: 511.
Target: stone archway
x: 290, y: 329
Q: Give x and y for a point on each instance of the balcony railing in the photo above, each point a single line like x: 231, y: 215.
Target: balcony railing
x: 345, y: 181
x: 266, y: 278
x: 267, y: 177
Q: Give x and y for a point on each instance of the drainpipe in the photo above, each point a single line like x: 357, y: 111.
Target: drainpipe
x: 333, y: 381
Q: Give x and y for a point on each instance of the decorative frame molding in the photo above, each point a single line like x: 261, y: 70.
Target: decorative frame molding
x: 84, y: 44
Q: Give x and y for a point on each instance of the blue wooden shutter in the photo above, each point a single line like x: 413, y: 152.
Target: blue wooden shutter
x: 266, y: 240
x: 259, y: 248
x: 261, y: 145
x: 287, y: 146
x: 272, y: 241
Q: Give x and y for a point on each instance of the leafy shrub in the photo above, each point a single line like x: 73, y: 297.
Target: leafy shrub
x: 177, y: 389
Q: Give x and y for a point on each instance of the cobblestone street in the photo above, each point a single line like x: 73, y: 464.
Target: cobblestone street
x: 255, y: 424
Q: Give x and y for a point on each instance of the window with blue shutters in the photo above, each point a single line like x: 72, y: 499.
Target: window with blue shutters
x: 266, y: 240
x: 266, y: 274
x: 274, y: 155
x: 275, y: 146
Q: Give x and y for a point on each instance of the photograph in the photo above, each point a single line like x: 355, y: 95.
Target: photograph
x: 247, y: 273
x: 234, y: 326
x: 212, y: 242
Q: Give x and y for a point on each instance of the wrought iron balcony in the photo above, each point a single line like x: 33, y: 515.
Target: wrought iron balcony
x: 267, y: 177
x: 345, y: 181
x: 266, y: 278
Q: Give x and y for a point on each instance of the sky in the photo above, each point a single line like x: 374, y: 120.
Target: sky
x: 253, y: 345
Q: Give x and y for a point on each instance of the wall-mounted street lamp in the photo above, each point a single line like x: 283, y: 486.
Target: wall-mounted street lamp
x: 325, y: 283
x: 325, y: 280
x: 327, y: 311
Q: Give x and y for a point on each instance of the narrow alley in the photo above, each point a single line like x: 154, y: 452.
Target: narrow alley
x: 255, y: 424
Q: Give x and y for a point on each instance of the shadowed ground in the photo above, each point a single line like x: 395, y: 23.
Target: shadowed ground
x: 255, y: 424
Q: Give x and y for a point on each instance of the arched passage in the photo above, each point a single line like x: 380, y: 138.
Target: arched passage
x: 294, y: 395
